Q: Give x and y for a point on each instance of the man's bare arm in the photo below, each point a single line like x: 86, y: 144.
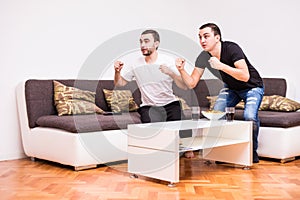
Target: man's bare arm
x: 190, y: 80
x: 118, y: 79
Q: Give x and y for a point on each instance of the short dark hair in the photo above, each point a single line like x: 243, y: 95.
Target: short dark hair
x: 214, y: 28
x: 153, y: 33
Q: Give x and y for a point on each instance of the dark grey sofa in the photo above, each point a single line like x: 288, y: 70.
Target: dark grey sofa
x: 38, y: 116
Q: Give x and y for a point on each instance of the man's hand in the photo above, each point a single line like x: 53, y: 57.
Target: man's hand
x: 118, y: 65
x: 176, y: 78
x: 165, y: 69
x: 215, y: 63
x: 180, y: 62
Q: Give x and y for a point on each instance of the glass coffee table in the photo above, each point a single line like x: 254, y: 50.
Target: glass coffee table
x: 154, y: 149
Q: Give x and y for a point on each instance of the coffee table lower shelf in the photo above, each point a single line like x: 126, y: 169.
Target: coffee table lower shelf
x: 154, y: 151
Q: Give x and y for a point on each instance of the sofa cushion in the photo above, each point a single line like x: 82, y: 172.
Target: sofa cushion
x: 279, y: 103
x: 89, y: 122
x: 274, y: 118
x: 71, y: 100
x: 120, y: 100
x: 212, y: 101
x: 184, y: 105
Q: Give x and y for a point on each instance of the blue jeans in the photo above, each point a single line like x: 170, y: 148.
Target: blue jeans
x: 252, y: 98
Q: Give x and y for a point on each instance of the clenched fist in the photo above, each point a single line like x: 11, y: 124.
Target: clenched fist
x: 165, y: 69
x: 118, y: 65
x: 215, y: 63
x: 180, y: 62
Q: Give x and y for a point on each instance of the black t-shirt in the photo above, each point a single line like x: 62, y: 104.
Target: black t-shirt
x: 230, y: 53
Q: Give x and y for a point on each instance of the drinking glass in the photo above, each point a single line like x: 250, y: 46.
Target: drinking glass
x: 230, y: 113
x: 195, y: 112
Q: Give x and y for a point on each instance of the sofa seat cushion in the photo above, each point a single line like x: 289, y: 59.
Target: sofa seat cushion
x: 274, y: 118
x: 89, y: 123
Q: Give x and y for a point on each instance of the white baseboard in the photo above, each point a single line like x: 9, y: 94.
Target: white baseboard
x: 15, y: 156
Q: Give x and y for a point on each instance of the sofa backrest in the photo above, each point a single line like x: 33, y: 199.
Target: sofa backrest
x: 197, y: 96
x: 208, y: 87
x: 275, y: 86
x: 40, y: 96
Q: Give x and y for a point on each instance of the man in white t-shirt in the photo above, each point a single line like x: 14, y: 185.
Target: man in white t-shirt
x: 154, y: 74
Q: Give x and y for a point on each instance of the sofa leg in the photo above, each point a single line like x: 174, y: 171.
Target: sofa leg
x: 32, y: 159
x: 287, y: 159
x: 78, y: 168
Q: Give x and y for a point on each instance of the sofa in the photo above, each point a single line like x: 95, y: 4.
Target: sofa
x: 84, y: 141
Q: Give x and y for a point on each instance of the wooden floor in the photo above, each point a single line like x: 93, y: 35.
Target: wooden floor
x: 25, y: 179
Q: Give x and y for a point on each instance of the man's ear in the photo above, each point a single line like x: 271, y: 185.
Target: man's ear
x: 156, y: 43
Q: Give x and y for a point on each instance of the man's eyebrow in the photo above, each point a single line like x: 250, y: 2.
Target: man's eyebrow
x: 204, y: 34
x: 145, y: 39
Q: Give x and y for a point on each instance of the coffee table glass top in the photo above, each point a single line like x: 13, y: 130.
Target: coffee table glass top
x: 186, y: 124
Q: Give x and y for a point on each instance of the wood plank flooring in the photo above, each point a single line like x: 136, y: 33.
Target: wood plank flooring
x: 270, y: 179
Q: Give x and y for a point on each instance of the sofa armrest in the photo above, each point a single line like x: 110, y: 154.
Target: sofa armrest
x: 22, y: 115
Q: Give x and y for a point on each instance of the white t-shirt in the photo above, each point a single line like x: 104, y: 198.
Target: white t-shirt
x: 155, y: 86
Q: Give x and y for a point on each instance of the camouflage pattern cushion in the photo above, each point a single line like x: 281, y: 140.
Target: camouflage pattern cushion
x: 71, y: 100
x: 274, y: 103
x: 265, y: 103
x: 280, y: 103
x: 120, y: 100
x: 240, y: 105
x: 184, y: 105
x: 212, y: 101
x: 263, y: 106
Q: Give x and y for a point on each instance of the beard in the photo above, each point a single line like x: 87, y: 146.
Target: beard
x: 147, y: 52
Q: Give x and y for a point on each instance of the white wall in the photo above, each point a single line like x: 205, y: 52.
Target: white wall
x: 52, y: 39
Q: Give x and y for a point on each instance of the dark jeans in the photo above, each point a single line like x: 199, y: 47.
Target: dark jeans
x: 252, y: 98
x: 169, y: 112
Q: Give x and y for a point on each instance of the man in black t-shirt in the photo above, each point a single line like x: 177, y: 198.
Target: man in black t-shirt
x: 227, y: 61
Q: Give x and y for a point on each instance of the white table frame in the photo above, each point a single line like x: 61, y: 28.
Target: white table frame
x: 154, y: 148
